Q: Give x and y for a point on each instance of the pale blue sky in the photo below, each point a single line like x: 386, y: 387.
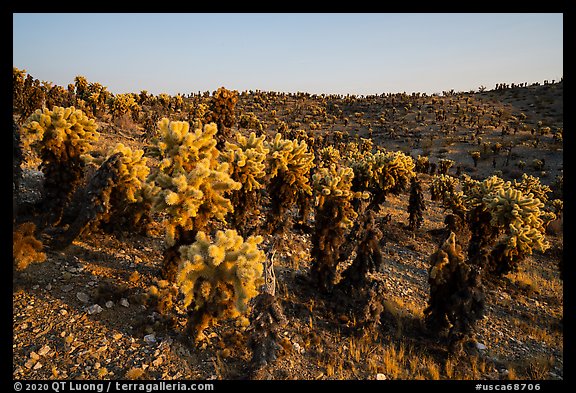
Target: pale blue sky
x: 338, y: 53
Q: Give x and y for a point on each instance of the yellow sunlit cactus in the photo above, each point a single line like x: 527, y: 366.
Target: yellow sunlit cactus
x: 219, y: 276
x: 190, y: 183
x: 334, y: 214
x: 508, y: 216
x: 246, y: 158
x: 381, y: 173
x: 288, y: 165
x: 65, y: 132
x: 291, y: 160
x: 334, y: 184
x: 444, y: 188
x: 60, y: 137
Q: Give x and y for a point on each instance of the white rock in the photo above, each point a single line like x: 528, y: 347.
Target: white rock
x: 44, y: 350
x: 298, y: 348
x: 82, y: 297
x: 124, y: 302
x: 29, y: 363
x: 109, y: 304
x: 480, y: 346
x: 150, y: 338
x: 94, y: 309
x: 381, y: 377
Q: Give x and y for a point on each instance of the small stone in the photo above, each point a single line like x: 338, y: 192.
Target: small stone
x: 44, y: 350
x: 30, y: 363
x: 150, y: 338
x: 158, y: 361
x: 67, y: 288
x: 381, y: 377
x: 94, y: 309
x: 84, y: 298
x: 297, y: 347
x: 63, y: 312
x: 49, y: 287
x: 480, y: 346
x: 109, y: 304
x: 38, y: 366
x: 124, y: 302
x: 134, y: 277
x: 117, y: 336
x: 36, y: 287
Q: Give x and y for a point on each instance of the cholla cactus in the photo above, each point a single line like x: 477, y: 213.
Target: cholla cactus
x: 477, y: 191
x: 381, y: 173
x: 530, y: 184
x: 334, y: 215
x: 218, y: 277
x: 122, y: 104
x: 333, y: 185
x: 250, y: 121
x: 288, y: 165
x: 497, y: 208
x: 386, y: 172
x: 222, y: 106
x: 520, y: 218
x: 416, y: 205
x: 475, y: 154
x: 246, y: 159
x: 60, y: 137
x: 190, y: 185
x: 422, y: 164
x: 115, y: 197
x: 26, y: 248
x: 444, y: 165
x: 444, y: 188
x: 328, y: 156
x: 456, y: 293
x: 123, y: 180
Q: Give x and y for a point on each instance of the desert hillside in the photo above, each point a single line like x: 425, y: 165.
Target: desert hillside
x: 95, y: 298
